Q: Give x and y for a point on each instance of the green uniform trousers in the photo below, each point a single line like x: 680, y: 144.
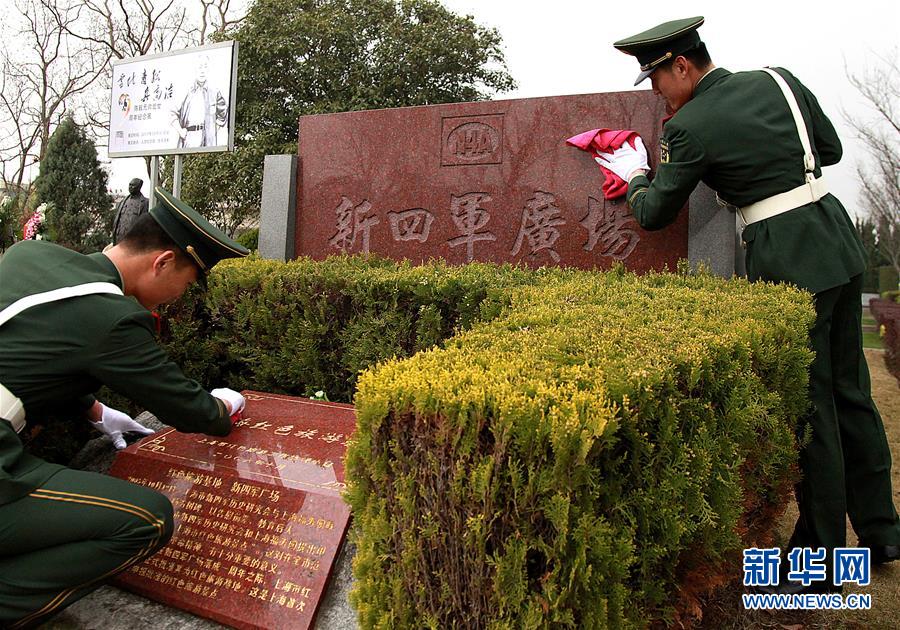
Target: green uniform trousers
x: 61, y: 541
x: 847, y: 464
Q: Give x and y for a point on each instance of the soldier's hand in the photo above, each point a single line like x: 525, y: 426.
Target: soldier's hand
x: 114, y: 423
x: 234, y: 399
x: 626, y: 161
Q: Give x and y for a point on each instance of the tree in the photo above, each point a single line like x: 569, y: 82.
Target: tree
x: 41, y: 75
x: 73, y: 185
x: 880, y: 174
x: 318, y: 56
x: 868, y: 234
x: 8, y: 222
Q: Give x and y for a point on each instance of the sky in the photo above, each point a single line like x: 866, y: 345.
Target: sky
x: 565, y: 47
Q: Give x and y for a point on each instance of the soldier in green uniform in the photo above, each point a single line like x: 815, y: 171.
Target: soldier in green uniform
x: 68, y: 324
x: 759, y: 139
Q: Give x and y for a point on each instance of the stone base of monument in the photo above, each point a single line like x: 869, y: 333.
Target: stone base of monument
x: 259, y: 524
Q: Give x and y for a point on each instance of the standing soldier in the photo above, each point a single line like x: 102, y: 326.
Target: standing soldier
x: 760, y: 139
x: 70, y: 323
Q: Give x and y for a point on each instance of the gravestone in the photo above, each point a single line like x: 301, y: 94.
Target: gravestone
x: 259, y: 518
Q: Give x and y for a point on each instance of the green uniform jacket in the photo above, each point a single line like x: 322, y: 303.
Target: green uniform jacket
x: 55, y: 356
x: 738, y: 137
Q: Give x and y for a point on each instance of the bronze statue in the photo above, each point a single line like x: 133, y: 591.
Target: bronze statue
x: 130, y: 208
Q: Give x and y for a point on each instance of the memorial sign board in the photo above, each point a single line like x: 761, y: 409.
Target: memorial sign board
x: 175, y: 102
x: 258, y: 515
x: 489, y: 181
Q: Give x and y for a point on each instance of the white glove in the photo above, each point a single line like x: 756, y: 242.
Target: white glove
x: 624, y: 161
x: 230, y: 396
x: 114, y: 423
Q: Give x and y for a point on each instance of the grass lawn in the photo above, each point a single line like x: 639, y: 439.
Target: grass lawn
x: 725, y: 611
x: 872, y: 340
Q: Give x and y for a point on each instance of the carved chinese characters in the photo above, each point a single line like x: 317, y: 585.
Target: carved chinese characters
x: 491, y: 181
x: 470, y: 217
x: 540, y: 218
x: 612, y: 227
x: 258, y: 515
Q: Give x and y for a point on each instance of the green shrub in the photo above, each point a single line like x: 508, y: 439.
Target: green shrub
x: 886, y: 312
x: 549, y: 448
x: 304, y: 326
x: 603, y: 444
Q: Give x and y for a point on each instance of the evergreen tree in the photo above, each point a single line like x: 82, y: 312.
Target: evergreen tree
x: 868, y: 235
x: 71, y: 182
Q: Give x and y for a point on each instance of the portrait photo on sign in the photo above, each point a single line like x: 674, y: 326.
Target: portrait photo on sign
x: 181, y: 102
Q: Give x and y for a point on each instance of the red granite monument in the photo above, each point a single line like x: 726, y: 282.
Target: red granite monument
x: 488, y: 181
x: 258, y: 515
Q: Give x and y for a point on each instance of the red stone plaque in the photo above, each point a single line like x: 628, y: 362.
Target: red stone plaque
x: 491, y: 181
x: 258, y: 515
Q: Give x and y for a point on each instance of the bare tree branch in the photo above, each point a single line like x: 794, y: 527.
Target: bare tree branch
x: 55, y: 59
x: 880, y: 173
x: 42, y: 75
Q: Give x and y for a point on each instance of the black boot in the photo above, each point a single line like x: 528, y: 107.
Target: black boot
x: 882, y: 554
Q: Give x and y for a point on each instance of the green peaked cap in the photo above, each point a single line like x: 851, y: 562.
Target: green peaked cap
x: 661, y: 43
x: 203, y: 242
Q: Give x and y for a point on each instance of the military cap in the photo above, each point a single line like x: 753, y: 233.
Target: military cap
x: 204, y: 243
x: 661, y: 43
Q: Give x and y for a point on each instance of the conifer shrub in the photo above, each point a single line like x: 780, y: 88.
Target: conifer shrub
x: 886, y: 312
x: 304, y: 326
x: 594, y: 457
x: 534, y: 448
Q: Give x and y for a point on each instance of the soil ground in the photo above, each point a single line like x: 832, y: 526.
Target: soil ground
x: 725, y: 611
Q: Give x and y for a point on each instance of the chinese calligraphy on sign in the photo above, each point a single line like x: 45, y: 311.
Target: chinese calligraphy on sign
x: 173, y: 102
x: 609, y: 226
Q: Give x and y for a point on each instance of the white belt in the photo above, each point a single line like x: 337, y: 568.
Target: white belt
x: 11, y: 409
x: 810, y: 192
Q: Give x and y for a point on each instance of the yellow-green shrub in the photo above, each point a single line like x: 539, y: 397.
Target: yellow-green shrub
x: 573, y: 461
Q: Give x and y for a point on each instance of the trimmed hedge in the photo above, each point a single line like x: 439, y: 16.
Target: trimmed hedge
x: 592, y: 458
x: 549, y: 448
x: 304, y: 326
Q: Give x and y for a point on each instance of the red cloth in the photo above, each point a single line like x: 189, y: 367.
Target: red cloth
x: 605, y: 141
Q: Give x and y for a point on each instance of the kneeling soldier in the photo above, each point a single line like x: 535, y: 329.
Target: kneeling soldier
x: 70, y: 323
